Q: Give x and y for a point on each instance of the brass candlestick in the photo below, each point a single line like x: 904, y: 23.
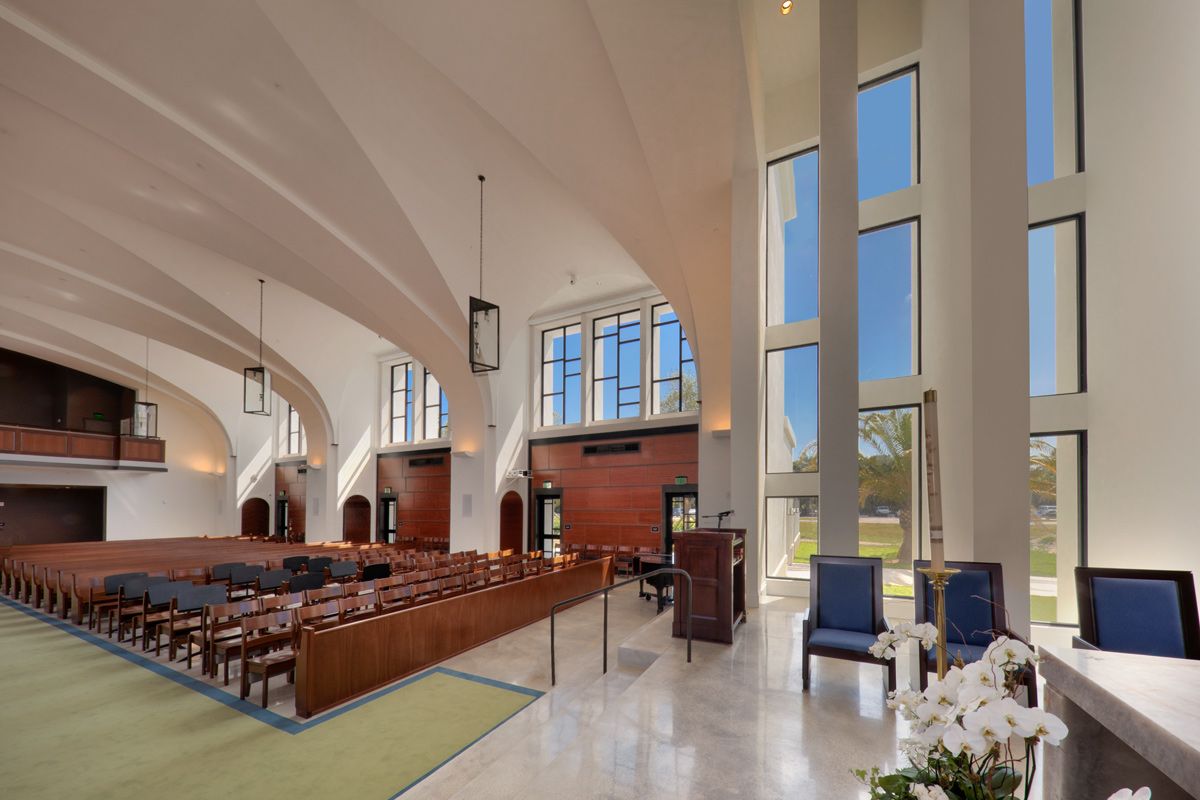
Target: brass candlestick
x: 939, y: 578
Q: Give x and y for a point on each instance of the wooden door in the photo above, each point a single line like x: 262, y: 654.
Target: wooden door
x: 356, y: 520
x: 512, y: 522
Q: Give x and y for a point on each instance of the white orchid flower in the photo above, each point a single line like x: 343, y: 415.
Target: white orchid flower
x: 957, y: 740
x: 1005, y: 651
x: 933, y: 792
x: 1128, y: 794
x: 1031, y: 722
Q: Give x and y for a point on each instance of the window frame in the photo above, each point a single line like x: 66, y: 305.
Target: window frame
x: 562, y: 373
x: 918, y: 321
x: 767, y: 409
x: 293, y: 433
x: 443, y: 416
x: 816, y: 148
x: 918, y: 511
x: 654, y: 359
x: 1080, y: 220
x: 407, y: 416
x: 1082, y: 554
x: 597, y: 341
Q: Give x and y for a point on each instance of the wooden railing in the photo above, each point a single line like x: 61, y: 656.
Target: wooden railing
x: 348, y: 661
x: 19, y: 440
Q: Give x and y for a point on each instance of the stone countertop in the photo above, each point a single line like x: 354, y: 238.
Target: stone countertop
x: 1151, y: 703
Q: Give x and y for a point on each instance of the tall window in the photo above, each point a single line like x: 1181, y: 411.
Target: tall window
x: 887, y: 135
x: 1051, y: 90
x: 791, y: 529
x: 889, y: 520
x: 674, y: 371
x: 792, y: 409
x: 295, y: 432
x: 437, y: 410
x: 1056, y: 524
x: 888, y: 338
x: 402, y: 403
x: 616, y: 350
x: 792, y: 239
x: 560, y: 375
x: 1056, y: 342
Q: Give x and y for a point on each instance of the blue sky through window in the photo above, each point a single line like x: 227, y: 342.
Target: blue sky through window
x: 1039, y: 91
x: 799, y: 240
x: 1042, y: 344
x: 886, y: 161
x: 885, y: 303
x: 799, y: 365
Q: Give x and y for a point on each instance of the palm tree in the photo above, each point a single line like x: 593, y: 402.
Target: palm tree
x: 886, y: 475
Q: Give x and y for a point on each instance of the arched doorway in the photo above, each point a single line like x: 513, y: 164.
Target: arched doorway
x: 356, y: 520
x: 256, y: 517
x: 512, y: 522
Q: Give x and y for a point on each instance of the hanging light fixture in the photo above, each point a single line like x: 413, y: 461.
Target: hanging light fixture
x: 485, y: 316
x: 144, y: 424
x: 256, y: 383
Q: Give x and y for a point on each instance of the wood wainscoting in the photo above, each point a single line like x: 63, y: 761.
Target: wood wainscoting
x: 348, y: 661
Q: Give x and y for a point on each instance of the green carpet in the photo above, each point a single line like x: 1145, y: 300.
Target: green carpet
x: 79, y: 722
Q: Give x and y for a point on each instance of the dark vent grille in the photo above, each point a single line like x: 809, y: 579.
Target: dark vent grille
x: 430, y: 461
x: 605, y: 449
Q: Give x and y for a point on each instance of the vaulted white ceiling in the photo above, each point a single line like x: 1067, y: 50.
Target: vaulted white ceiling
x: 158, y: 157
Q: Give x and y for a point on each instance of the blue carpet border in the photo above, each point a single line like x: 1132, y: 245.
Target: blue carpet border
x: 248, y: 708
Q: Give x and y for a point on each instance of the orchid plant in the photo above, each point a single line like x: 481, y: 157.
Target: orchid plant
x: 970, y: 738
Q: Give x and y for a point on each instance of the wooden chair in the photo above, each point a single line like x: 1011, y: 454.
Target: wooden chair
x: 219, y: 573
x: 129, y: 605
x: 624, y: 559
x: 389, y: 583
x: 317, y: 564
x: 186, y: 614
x: 378, y: 569
x: 243, y: 580
x: 269, y: 647
x: 319, y: 615
x: 280, y: 602
x: 220, y: 635
x: 359, y: 606
x: 845, y: 612
x: 271, y: 581
x: 452, y: 586
x: 107, y: 598
x: 323, y: 594
x: 417, y: 576
x: 341, y: 571
x: 156, y: 609
x: 426, y: 592
x: 974, y: 616
x: 362, y: 587
x: 1147, y: 611
x: 394, y: 599
x: 295, y: 563
x: 304, y: 582
x: 475, y: 581
x: 197, y: 575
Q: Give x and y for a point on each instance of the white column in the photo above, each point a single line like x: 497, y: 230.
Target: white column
x: 838, y: 270
x: 976, y: 281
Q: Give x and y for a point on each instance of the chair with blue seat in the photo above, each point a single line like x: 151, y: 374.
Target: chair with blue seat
x: 975, y: 616
x: 845, y: 612
x: 1146, y: 611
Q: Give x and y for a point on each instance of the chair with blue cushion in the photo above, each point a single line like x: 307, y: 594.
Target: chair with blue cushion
x: 975, y: 615
x: 1146, y: 611
x: 845, y: 612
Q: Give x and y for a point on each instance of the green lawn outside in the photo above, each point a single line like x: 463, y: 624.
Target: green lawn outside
x: 1043, y: 608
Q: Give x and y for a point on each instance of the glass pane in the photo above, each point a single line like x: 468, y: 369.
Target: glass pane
x: 886, y: 145
x: 1050, y: 113
x: 572, y: 341
x: 887, y: 472
x: 887, y: 336
x: 604, y: 400
x: 690, y: 389
x: 666, y: 351
x: 792, y: 410
x: 1054, y: 309
x: 792, y: 239
x: 571, y: 405
x: 1054, y: 526
x: 791, y: 527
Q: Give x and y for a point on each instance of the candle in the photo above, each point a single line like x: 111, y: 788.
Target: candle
x: 933, y: 476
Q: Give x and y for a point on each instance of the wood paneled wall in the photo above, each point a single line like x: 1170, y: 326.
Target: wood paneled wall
x: 49, y: 514
x: 338, y: 664
x: 289, y: 478
x: 615, y: 498
x: 422, y: 492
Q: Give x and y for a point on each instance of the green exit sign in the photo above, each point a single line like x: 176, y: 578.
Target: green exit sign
x: 680, y: 480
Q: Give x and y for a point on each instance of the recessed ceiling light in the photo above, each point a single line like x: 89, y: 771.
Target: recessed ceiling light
x: 786, y: 8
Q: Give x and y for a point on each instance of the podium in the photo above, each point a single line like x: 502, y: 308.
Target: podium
x: 716, y: 561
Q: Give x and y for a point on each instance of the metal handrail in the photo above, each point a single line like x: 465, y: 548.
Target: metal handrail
x: 605, y: 590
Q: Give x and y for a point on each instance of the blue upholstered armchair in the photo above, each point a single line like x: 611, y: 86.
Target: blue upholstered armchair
x: 845, y: 612
x: 974, y: 616
x: 1146, y: 611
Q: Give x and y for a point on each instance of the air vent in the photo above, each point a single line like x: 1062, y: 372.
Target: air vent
x: 429, y: 461
x: 607, y: 449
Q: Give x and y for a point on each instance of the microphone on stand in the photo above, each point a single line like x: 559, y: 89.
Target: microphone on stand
x: 719, y: 517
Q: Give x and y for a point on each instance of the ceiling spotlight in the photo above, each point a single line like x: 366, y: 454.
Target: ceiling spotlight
x: 786, y: 8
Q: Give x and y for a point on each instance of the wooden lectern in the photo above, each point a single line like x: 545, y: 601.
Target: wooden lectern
x: 716, y: 561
